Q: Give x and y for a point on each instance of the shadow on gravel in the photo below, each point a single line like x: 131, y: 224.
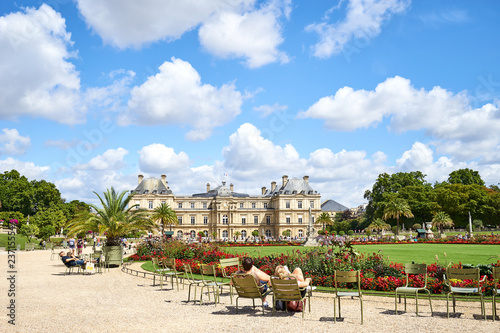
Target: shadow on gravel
x: 444, y: 315
x: 331, y: 319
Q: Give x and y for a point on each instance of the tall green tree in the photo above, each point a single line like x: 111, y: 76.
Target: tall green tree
x: 324, y: 219
x: 396, y: 208
x: 465, y: 177
x: 441, y: 220
x: 114, y: 219
x: 386, y: 184
x: 165, y: 215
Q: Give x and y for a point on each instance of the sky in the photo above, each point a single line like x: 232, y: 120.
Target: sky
x: 94, y: 93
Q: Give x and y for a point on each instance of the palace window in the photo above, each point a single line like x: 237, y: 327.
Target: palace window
x: 268, y: 233
x: 193, y: 220
x: 301, y: 233
x: 253, y: 204
x: 204, y: 205
x: 299, y: 204
x: 265, y: 205
x: 224, y: 233
x: 288, y: 219
x: 224, y: 219
x: 192, y: 205
x: 241, y: 204
x: 287, y: 204
x: 311, y: 204
x: 192, y: 234
x: 256, y: 219
x: 300, y: 218
x: 179, y: 234
x: 179, y: 205
x: 243, y: 220
x: 268, y: 219
x: 150, y: 204
x: 243, y: 234
x: 205, y: 219
x: 179, y: 218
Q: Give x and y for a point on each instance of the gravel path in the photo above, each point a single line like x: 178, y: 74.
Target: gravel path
x: 48, y: 301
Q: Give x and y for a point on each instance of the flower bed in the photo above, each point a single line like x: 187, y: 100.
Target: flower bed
x: 319, y: 264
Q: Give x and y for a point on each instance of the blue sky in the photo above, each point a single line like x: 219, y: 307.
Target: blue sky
x: 94, y: 93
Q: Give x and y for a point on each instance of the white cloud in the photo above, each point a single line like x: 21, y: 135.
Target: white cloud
x: 363, y: 21
x: 158, y: 158
x: 35, y: 77
x: 266, y: 110
x: 458, y: 129
x: 133, y: 23
x: 254, y: 35
x: 13, y: 143
x: 112, y: 159
x: 420, y: 157
x: 176, y: 95
x: 227, y: 28
x: 28, y: 169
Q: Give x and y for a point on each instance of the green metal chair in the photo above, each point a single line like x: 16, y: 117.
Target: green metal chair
x: 206, y: 271
x: 347, y: 277
x: 188, y: 275
x: 224, y: 265
x: 464, y: 274
x: 496, y: 280
x: 246, y: 287
x: 170, y: 270
x: 158, y: 269
x: 413, y: 269
x: 287, y: 289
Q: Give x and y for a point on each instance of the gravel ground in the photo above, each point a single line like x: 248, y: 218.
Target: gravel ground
x: 49, y: 301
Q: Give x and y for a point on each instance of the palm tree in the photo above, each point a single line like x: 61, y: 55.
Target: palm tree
x: 379, y: 225
x: 165, y: 215
x: 113, y: 219
x: 395, y: 208
x: 324, y: 218
x: 440, y: 220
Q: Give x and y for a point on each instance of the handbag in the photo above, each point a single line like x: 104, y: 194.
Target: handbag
x: 295, y: 306
x: 89, y: 267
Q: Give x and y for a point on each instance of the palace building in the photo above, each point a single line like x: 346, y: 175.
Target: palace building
x: 221, y: 212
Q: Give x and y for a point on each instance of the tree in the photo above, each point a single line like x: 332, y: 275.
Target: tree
x: 386, y: 184
x: 465, y: 177
x: 378, y: 225
x: 237, y: 234
x: 395, y: 208
x: 324, y: 219
x: 53, y: 217
x: 45, y: 232
x: 28, y: 230
x: 440, y: 220
x: 286, y: 233
x: 166, y: 215
x: 113, y: 219
x: 255, y: 233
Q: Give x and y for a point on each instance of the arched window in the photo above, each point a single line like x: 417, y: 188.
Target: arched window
x: 179, y: 234
x: 268, y: 233
x: 192, y: 234
x: 243, y: 234
x: 301, y: 233
x: 224, y: 233
x: 205, y: 232
x: 224, y: 219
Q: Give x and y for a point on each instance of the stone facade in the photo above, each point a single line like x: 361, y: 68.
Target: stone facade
x: 223, y: 212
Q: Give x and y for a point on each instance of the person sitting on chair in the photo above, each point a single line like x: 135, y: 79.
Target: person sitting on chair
x: 260, y: 277
x: 70, y: 260
x: 282, y: 272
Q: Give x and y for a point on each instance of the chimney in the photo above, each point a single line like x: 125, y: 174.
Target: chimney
x: 231, y: 187
x: 263, y: 190
x: 140, y: 177
x: 306, y: 179
x: 285, y: 180
x: 164, y: 179
x: 208, y: 187
x: 273, y: 186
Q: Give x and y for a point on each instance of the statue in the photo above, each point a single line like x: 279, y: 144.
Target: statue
x: 312, y: 234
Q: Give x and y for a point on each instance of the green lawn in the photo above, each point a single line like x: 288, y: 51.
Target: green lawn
x: 402, y: 253
x: 19, y: 240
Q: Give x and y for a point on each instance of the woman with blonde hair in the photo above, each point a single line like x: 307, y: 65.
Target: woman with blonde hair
x: 282, y: 272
